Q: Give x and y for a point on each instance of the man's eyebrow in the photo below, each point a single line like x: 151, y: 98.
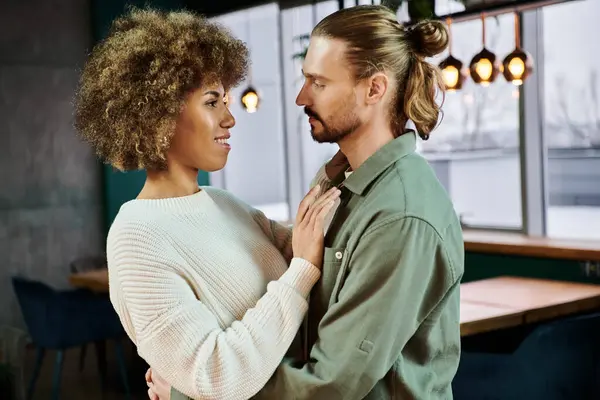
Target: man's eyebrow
x: 314, y: 76
x: 213, y: 93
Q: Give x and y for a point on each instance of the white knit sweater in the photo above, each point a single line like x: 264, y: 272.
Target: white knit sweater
x: 206, y: 288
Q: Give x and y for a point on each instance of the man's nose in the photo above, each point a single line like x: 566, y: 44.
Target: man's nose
x: 302, y: 98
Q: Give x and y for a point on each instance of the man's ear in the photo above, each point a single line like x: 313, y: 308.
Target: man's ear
x: 378, y: 85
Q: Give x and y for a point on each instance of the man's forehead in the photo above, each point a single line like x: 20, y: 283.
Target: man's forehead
x: 327, y: 47
x: 325, y: 55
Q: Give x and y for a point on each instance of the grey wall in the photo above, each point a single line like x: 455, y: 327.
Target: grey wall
x: 50, y: 192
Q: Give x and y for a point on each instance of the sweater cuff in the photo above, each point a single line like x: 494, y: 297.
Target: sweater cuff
x: 301, y: 275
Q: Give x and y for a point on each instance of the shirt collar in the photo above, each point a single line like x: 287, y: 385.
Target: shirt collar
x: 375, y: 165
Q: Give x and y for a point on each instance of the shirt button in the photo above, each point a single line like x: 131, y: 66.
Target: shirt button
x: 338, y: 255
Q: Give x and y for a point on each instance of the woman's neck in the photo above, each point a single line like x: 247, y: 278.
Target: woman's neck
x: 171, y: 183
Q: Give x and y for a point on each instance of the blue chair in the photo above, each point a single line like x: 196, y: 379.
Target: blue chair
x: 60, y: 320
x: 84, y: 264
x: 557, y: 360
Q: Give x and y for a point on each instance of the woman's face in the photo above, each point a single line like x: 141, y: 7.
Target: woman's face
x: 202, y: 131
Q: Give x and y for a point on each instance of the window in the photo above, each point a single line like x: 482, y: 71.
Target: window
x: 255, y: 170
x: 475, y: 149
x: 572, y: 119
x: 483, y: 141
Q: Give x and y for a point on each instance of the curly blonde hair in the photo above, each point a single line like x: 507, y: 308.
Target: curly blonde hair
x: 134, y: 83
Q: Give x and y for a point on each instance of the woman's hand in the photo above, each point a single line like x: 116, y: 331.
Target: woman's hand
x: 158, y: 388
x: 309, y: 230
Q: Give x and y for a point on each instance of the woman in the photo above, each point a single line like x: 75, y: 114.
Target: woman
x: 211, y: 292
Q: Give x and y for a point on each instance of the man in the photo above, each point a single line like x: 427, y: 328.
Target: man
x: 383, y: 321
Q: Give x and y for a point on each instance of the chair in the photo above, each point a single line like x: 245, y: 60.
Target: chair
x: 558, y: 360
x: 84, y: 264
x: 60, y: 320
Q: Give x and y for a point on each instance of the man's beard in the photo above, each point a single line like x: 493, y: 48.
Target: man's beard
x: 335, y: 131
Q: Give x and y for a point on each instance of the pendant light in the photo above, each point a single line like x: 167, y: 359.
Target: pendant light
x: 484, y: 67
x: 452, y: 68
x: 250, y: 98
x: 518, y: 65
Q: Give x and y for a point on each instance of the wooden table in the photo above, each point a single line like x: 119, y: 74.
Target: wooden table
x: 485, y: 305
x: 96, y: 280
x: 506, y: 301
x: 493, y: 242
x: 478, y: 318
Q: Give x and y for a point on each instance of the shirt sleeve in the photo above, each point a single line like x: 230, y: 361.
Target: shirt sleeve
x: 398, y: 274
x: 180, y: 337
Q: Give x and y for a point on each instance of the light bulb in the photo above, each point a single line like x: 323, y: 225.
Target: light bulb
x: 484, y: 67
x: 250, y: 100
x: 518, y: 65
x: 452, y: 73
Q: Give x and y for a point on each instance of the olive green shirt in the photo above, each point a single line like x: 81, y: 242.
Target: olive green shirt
x: 383, y: 321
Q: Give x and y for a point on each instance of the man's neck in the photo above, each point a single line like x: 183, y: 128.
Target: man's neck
x: 363, y: 143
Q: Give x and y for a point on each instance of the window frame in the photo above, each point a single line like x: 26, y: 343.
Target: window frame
x: 533, y: 149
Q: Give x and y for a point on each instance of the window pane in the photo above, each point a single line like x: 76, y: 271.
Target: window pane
x: 572, y: 113
x: 475, y: 150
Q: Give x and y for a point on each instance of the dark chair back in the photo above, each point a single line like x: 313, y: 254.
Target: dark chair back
x: 62, y: 319
x: 557, y: 360
x: 36, y: 300
x: 563, y: 358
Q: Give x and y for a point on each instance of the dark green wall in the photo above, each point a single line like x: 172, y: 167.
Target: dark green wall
x: 120, y: 187
x: 480, y: 266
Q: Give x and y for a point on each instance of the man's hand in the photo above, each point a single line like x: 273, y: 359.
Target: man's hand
x: 338, y: 164
x: 158, y: 388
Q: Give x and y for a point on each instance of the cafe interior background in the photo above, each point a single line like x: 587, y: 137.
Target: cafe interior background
x: 518, y: 150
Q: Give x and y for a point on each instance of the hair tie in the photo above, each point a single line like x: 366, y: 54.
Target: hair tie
x: 409, y: 30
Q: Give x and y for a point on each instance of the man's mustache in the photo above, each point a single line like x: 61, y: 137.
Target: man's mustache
x: 311, y: 113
